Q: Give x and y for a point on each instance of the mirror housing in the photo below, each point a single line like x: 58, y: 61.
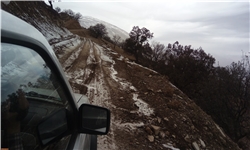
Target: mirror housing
x: 53, y: 127
x: 94, y: 119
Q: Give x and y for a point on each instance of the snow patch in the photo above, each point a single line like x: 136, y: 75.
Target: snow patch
x: 168, y: 145
x: 106, y: 58
x: 120, y: 58
x: 72, y: 57
x: 143, y: 107
x: 130, y: 126
x: 220, y: 130
x: 132, y: 63
x: 114, y: 73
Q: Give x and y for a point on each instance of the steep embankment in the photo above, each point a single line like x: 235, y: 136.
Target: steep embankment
x: 148, y: 112
x: 47, y: 21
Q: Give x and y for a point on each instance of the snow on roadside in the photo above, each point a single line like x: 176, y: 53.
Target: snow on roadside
x: 120, y: 58
x: 130, y: 126
x: 61, y: 46
x: 170, y: 146
x: 133, y: 63
x: 220, y: 130
x: 98, y: 91
x: 72, y: 57
x: 143, y: 106
x: 71, y: 43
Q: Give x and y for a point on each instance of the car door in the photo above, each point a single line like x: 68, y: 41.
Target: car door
x: 38, y: 108
x: 32, y: 90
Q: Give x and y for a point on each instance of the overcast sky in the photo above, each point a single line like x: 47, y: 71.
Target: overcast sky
x: 220, y: 28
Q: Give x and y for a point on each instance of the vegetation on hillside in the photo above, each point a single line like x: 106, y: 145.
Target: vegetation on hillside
x: 69, y: 14
x: 98, y: 30
x: 223, y: 92
x: 138, y: 44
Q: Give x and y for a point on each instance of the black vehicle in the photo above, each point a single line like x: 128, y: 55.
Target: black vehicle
x: 38, y: 108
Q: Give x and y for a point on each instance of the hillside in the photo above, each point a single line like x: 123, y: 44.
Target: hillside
x: 148, y: 112
x: 47, y: 21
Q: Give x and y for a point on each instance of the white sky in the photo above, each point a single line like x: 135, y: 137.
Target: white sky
x: 220, y: 28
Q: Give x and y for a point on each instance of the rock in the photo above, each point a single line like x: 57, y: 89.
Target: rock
x: 244, y: 143
x: 173, y: 136
x: 195, y: 146
x: 149, y: 131
x: 121, y: 98
x: 192, y: 127
x: 156, y: 129
x: 184, y: 119
x: 146, y: 93
x: 166, y: 119
x: 151, y: 138
x: 162, y: 134
x: 132, y: 89
x: 167, y: 133
x: 203, y: 145
x: 175, y: 126
x: 150, y: 76
x: 159, y: 119
x: 159, y: 91
x: 152, y: 90
x: 187, y: 138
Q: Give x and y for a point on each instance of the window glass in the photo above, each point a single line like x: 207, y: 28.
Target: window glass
x: 30, y: 92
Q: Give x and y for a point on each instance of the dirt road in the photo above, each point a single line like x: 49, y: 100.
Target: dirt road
x: 142, y: 102
x: 91, y: 71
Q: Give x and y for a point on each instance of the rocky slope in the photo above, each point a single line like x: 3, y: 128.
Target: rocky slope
x: 148, y: 112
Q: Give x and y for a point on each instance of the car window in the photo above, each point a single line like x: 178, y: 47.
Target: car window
x: 30, y: 91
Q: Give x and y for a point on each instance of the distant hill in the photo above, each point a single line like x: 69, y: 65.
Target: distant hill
x: 112, y: 30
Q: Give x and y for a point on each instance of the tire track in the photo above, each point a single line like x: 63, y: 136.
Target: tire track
x: 80, y: 60
x: 66, y: 56
x: 99, y: 93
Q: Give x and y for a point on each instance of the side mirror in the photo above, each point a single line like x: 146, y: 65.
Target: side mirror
x: 94, y: 119
x: 53, y: 127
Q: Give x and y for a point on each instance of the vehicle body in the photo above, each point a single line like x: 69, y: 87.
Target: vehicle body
x: 38, y: 104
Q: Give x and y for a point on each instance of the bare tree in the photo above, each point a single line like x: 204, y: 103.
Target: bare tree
x: 116, y: 40
x: 69, y: 12
x: 78, y: 16
x: 157, y: 51
x: 138, y: 38
x: 58, y: 9
x: 99, y: 30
